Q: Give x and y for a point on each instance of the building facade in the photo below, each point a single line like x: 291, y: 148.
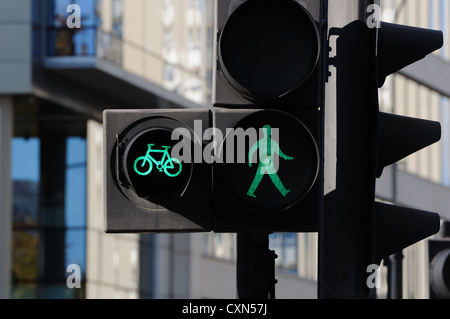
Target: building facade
x: 56, y: 81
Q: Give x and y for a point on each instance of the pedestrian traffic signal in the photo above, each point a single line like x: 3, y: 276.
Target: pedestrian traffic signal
x: 266, y: 177
x: 357, y: 232
x: 154, y: 177
x: 268, y: 90
x: 268, y: 58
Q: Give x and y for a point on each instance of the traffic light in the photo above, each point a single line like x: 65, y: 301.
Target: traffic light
x: 156, y: 179
x: 268, y: 90
x: 356, y: 232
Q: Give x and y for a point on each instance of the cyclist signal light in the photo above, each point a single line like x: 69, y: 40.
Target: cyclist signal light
x: 153, y: 183
x: 148, y: 166
x: 143, y: 165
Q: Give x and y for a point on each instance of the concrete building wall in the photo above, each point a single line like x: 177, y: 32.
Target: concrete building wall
x: 6, y: 132
x: 15, y: 56
x: 15, y: 68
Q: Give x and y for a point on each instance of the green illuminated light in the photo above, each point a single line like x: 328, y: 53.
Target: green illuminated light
x: 267, y: 150
x: 143, y: 165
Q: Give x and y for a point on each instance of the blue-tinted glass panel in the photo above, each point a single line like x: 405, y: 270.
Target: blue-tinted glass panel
x: 72, y: 41
x: 76, y: 249
x: 84, y: 41
x: 49, y: 177
x: 76, y: 151
x: 25, y: 159
x: 75, y: 203
x: 25, y: 203
x: 59, y: 9
x: 75, y: 197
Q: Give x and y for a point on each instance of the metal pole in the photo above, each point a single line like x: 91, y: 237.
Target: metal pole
x: 395, y: 274
x: 255, y: 274
x: 6, y: 134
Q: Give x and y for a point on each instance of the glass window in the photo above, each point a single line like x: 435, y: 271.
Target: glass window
x: 118, y: 17
x: 25, y: 174
x: 75, y: 201
x: 25, y: 247
x: 285, y: 246
x: 37, y: 28
x: 67, y: 40
x: 49, y: 200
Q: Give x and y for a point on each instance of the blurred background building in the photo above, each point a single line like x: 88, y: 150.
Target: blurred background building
x: 56, y: 81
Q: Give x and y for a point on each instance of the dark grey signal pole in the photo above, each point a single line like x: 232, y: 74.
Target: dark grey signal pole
x: 255, y: 275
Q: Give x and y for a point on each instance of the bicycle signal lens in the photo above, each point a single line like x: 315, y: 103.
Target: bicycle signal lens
x: 152, y: 168
x: 143, y: 165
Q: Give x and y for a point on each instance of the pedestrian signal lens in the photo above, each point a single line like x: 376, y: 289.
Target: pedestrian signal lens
x: 280, y: 165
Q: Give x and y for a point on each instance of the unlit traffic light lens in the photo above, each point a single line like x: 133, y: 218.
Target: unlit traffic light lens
x: 269, y: 47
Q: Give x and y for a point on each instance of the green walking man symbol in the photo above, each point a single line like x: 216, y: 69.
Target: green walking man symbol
x: 267, y: 150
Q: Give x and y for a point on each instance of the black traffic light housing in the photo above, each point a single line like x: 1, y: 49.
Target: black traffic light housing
x: 270, y: 62
x: 357, y: 232
x: 251, y: 196
x: 148, y: 189
x: 268, y: 52
x: 268, y: 73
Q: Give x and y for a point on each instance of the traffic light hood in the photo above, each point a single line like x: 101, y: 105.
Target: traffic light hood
x: 400, y: 46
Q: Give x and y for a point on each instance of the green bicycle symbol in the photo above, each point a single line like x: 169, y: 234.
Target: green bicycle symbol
x: 143, y: 165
